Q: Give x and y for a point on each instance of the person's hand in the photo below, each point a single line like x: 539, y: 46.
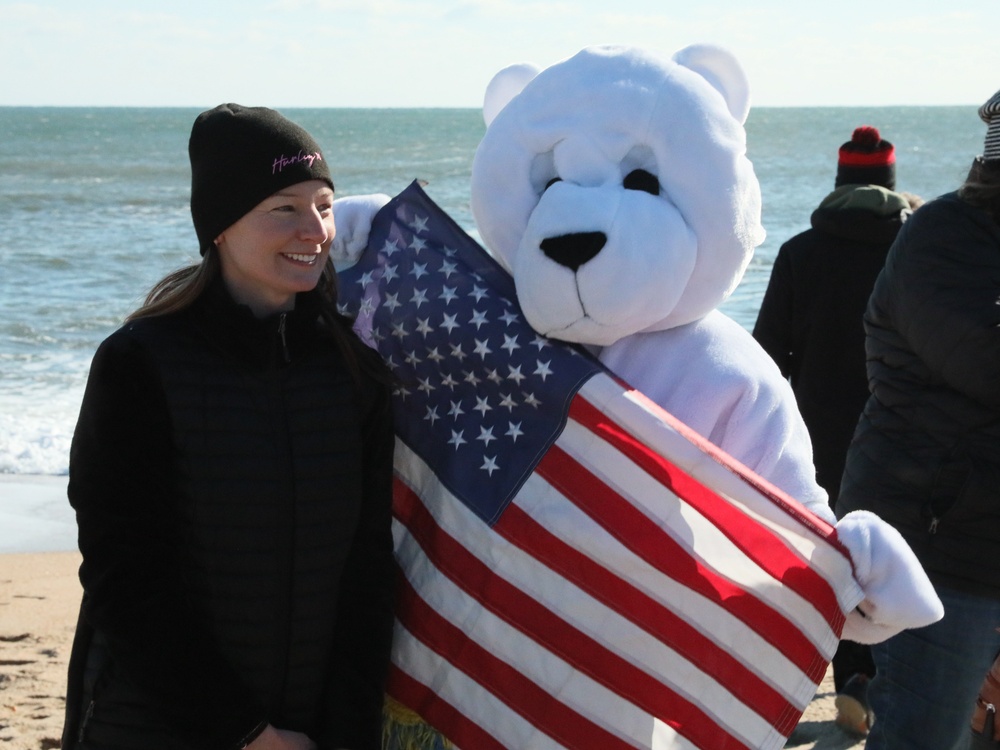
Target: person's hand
x: 281, y: 739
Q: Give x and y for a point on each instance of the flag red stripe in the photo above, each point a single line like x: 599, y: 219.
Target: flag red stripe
x: 756, y: 541
x: 547, y: 629
x: 667, y: 627
x: 526, y: 698
x: 437, y: 712
x: 644, y: 538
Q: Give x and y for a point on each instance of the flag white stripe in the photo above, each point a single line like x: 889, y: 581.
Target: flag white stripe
x: 699, y: 536
x: 579, y: 609
x: 721, y: 627
x: 633, y: 414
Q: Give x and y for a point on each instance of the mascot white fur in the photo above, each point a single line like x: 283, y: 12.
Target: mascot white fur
x: 615, y: 188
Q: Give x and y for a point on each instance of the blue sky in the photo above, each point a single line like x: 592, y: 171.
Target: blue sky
x: 433, y: 53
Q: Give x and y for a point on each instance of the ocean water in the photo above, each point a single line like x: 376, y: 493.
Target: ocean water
x: 94, y: 210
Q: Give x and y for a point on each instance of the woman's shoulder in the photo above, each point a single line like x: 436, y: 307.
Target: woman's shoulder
x: 142, y: 334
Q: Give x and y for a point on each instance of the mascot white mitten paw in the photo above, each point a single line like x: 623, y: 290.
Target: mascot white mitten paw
x: 352, y: 217
x: 898, y: 594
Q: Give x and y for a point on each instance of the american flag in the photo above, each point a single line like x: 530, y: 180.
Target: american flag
x: 579, y: 570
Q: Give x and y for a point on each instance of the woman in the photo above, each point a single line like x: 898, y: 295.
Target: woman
x: 231, y: 475
x: 926, y: 453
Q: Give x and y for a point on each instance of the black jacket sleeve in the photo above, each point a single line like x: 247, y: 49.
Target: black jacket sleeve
x: 774, y: 325
x: 120, y: 486
x: 365, y: 621
x: 943, y: 291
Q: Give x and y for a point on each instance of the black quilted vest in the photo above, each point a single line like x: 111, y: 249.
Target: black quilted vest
x: 267, y: 455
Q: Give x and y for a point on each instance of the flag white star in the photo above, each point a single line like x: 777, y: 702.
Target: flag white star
x: 509, y: 317
x: 392, y: 301
x: 482, y: 348
x: 419, y: 297
x: 419, y: 223
x: 424, y: 327
x: 514, y: 431
x: 482, y: 405
x: 486, y: 435
x: 543, y: 370
x: 516, y: 374
x: 457, y: 439
x: 450, y: 322
x: 490, y: 464
x: 510, y: 344
x: 478, y: 319
x: 531, y: 400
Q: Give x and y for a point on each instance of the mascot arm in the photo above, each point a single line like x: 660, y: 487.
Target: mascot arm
x: 729, y: 391
x: 353, y: 218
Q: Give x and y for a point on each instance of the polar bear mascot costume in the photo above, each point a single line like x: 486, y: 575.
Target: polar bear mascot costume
x: 614, y: 187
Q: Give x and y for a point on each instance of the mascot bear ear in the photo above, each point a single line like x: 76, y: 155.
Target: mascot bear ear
x: 723, y: 71
x: 505, y: 85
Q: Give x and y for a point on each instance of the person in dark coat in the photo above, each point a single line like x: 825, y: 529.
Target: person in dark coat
x: 810, y: 322
x: 926, y: 453
x: 231, y: 473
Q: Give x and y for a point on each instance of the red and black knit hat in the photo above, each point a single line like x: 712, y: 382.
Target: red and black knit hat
x: 866, y: 159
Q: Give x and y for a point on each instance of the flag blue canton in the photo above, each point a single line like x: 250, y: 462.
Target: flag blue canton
x: 481, y: 395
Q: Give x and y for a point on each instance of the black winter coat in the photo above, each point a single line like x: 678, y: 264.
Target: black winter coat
x: 926, y: 455
x: 810, y: 320
x: 232, y: 487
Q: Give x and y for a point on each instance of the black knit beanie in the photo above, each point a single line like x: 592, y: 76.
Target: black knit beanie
x: 866, y: 159
x: 240, y: 156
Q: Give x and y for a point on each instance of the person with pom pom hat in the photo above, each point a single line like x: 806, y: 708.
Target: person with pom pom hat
x: 810, y: 322
x: 925, y: 456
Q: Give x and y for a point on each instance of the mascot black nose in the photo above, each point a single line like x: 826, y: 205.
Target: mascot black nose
x: 573, y: 250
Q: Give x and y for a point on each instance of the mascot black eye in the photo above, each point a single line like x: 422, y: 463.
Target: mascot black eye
x: 640, y: 179
x: 552, y: 182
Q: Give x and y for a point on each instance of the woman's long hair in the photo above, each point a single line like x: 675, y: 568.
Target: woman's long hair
x: 982, y: 187
x: 179, y: 290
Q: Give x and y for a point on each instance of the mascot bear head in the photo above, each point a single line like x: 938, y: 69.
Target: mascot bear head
x: 615, y: 188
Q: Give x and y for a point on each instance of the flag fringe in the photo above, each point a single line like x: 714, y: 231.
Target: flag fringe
x: 403, y: 729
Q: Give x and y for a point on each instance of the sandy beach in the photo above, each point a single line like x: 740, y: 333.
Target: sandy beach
x: 39, y: 600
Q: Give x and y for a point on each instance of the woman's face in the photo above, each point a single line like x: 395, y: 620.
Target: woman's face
x: 279, y: 248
